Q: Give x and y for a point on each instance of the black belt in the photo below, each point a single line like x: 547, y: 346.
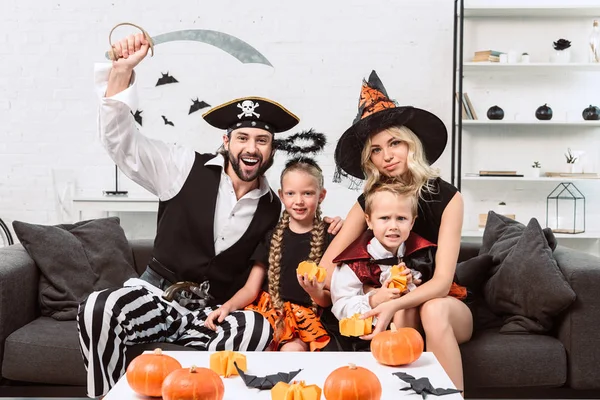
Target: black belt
x: 189, y: 294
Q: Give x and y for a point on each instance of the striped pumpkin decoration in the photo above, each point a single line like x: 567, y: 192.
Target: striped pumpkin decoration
x: 397, y: 346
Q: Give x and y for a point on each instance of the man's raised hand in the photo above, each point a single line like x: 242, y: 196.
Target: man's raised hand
x: 131, y: 51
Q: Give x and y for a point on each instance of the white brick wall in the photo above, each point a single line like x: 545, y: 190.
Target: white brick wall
x: 320, y: 51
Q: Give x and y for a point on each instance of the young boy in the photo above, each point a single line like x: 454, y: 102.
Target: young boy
x: 361, y: 283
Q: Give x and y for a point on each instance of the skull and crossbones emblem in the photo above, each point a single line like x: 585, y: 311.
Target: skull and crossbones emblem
x: 248, y: 107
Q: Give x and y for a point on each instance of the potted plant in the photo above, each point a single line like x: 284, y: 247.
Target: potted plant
x: 525, y: 58
x: 571, y: 160
x: 535, y: 169
x: 562, y: 52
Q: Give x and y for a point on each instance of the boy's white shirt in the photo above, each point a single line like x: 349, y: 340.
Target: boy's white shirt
x: 347, y: 294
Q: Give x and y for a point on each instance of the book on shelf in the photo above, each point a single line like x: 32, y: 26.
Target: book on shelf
x: 470, y: 105
x: 498, y: 173
x: 463, y: 107
x: 487, y: 55
x: 486, y: 59
x: 468, y: 112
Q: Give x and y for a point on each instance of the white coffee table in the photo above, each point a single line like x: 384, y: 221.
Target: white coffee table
x: 315, y: 369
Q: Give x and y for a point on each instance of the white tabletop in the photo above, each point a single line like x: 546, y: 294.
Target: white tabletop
x: 315, y: 369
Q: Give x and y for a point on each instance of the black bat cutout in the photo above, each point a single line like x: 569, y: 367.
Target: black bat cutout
x: 137, y: 116
x: 167, y: 122
x: 266, y: 382
x: 165, y: 79
x: 422, y: 385
x: 198, y: 105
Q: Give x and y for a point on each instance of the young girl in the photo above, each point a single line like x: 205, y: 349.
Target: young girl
x: 289, y: 301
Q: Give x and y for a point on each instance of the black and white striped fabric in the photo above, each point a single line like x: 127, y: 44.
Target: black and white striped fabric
x: 110, y: 320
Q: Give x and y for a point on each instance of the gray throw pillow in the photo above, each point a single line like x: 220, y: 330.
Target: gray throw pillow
x: 501, y: 234
x: 75, y: 260
x: 528, y: 288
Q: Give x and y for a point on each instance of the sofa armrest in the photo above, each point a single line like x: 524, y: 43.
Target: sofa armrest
x: 578, y: 327
x: 19, y: 278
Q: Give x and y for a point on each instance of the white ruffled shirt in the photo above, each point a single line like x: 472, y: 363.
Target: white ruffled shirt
x: 347, y: 294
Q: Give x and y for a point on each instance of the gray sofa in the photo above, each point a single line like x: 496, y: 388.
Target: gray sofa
x: 40, y: 356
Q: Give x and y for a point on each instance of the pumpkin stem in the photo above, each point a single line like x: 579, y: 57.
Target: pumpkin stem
x: 393, y: 327
x: 352, y: 366
x: 158, y: 351
x: 193, y: 369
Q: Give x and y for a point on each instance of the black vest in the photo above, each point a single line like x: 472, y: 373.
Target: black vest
x: 184, y: 243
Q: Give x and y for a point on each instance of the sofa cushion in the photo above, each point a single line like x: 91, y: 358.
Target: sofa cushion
x: 528, y: 288
x: 494, y: 360
x: 75, y: 260
x: 474, y: 272
x: 43, y: 350
x: 501, y: 234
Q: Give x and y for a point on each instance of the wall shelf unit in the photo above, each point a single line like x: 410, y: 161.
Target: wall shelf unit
x: 475, y: 9
x: 517, y: 124
x: 519, y: 88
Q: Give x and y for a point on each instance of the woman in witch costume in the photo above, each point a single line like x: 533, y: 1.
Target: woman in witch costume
x: 387, y: 141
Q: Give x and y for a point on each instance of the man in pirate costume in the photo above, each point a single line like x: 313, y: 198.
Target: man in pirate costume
x: 213, y: 212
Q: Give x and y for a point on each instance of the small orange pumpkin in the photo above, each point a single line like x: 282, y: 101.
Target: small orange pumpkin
x: 194, y: 383
x: 352, y: 383
x: 397, y: 346
x: 146, y: 373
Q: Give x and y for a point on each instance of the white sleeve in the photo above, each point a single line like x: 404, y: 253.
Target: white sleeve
x: 347, y: 293
x: 159, y: 167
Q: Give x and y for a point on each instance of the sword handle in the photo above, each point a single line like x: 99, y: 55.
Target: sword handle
x: 111, y: 55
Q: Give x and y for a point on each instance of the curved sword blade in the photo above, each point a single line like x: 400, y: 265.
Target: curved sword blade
x: 228, y: 43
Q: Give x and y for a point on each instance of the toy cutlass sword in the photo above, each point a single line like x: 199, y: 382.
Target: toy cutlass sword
x: 229, y: 44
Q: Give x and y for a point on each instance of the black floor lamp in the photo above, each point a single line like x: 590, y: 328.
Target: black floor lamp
x: 116, y: 192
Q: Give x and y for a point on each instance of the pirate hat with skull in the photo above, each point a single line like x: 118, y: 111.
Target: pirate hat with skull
x: 255, y: 112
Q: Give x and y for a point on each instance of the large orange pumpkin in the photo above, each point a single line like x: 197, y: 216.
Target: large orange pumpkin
x: 146, y: 373
x: 194, y: 383
x: 397, y: 346
x: 352, y: 383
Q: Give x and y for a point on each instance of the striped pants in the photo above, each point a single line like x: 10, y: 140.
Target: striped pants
x: 112, y: 319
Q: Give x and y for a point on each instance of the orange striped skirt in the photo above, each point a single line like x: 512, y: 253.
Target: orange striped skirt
x: 460, y: 292
x: 298, y: 322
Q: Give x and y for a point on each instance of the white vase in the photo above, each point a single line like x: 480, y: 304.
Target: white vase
x: 535, y: 172
x: 562, y: 56
x: 570, y: 168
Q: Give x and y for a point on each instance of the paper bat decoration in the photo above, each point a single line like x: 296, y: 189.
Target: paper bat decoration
x: 312, y: 270
x: 167, y: 122
x: 137, y: 116
x: 295, y: 391
x: 422, y: 385
x: 266, y: 382
x: 222, y: 362
x: 165, y: 79
x: 198, y: 105
x: 354, y: 326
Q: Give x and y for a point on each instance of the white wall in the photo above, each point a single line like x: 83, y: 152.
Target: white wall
x: 320, y: 52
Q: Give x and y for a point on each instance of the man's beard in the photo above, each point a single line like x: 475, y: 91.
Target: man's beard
x: 237, y: 168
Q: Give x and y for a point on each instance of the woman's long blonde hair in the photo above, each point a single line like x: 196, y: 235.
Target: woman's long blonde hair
x: 316, y: 242
x: 419, y: 173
